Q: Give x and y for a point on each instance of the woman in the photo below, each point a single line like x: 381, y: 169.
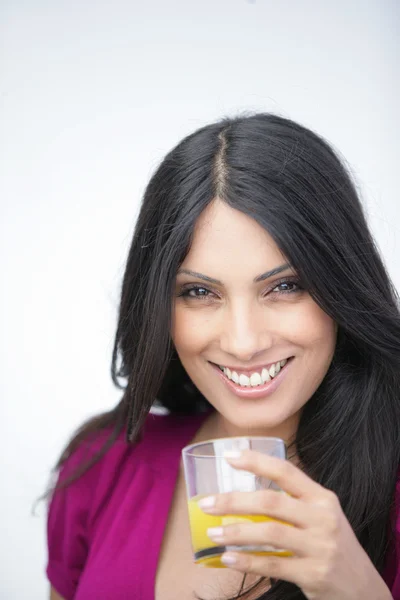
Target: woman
x: 254, y: 301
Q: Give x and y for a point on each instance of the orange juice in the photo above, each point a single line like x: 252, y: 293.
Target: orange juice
x: 208, y: 553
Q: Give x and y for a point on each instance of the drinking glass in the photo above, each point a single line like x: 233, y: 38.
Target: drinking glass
x: 207, y: 473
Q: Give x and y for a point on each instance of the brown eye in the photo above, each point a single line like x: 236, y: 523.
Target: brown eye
x: 287, y: 286
x: 196, y: 292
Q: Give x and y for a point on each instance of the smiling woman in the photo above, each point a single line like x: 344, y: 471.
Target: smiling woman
x: 273, y: 342
x: 254, y: 301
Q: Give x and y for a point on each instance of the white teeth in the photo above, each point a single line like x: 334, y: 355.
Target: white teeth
x: 265, y: 376
x: 235, y: 377
x: 244, y: 380
x: 255, y: 379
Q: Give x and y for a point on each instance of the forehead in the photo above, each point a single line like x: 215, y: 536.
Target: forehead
x: 227, y: 238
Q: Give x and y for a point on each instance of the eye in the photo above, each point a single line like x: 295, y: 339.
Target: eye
x: 287, y: 286
x: 196, y: 292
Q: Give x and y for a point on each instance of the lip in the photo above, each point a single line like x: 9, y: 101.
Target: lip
x: 255, y: 368
x: 260, y: 391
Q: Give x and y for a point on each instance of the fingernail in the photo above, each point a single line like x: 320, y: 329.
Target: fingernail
x: 232, y: 454
x: 228, y: 559
x: 208, y: 502
x: 215, y: 533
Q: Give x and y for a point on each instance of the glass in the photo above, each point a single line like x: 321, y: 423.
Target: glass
x: 208, y: 473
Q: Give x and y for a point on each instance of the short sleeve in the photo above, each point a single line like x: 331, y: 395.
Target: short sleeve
x: 67, y: 530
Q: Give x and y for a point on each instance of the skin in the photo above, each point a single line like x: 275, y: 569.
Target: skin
x: 242, y: 323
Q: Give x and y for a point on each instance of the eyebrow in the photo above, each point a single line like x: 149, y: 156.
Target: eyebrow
x: 257, y: 279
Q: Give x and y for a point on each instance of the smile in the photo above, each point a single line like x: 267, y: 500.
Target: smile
x: 254, y: 384
x: 256, y: 378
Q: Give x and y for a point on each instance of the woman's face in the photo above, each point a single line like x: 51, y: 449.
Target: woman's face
x: 273, y: 342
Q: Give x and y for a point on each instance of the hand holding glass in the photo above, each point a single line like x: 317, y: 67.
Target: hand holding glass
x: 208, y: 473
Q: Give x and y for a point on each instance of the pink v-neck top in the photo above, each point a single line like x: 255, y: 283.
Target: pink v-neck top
x: 105, y: 529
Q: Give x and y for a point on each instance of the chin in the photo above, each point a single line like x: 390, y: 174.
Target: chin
x: 259, y: 421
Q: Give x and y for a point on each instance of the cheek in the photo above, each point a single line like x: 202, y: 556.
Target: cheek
x: 190, y: 331
x: 309, y: 327
x: 316, y: 336
x: 314, y: 333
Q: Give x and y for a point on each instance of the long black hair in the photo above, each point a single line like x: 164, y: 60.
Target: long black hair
x: 296, y: 187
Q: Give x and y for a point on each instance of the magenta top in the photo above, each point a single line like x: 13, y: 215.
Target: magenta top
x: 105, y: 530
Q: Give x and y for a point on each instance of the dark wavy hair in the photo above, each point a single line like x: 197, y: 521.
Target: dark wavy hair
x: 294, y: 185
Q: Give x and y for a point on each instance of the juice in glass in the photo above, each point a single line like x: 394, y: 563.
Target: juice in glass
x: 208, y: 553
x: 207, y: 473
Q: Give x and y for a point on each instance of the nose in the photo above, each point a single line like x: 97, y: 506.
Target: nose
x: 244, y: 333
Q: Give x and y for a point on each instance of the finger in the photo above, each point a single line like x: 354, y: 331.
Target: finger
x: 274, y: 504
x: 268, y: 533
x: 277, y: 567
x: 285, y: 474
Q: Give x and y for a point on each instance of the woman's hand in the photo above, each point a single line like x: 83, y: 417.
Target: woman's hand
x: 328, y: 563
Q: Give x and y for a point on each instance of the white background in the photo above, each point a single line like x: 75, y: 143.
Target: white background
x: 92, y: 95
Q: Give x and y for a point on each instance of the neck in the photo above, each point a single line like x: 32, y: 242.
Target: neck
x: 216, y: 426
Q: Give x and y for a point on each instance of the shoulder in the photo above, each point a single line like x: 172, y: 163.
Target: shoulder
x: 160, y: 435
x: 157, y: 430
x: 123, y: 471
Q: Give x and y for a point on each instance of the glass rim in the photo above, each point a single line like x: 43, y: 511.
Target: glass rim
x: 188, y: 450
